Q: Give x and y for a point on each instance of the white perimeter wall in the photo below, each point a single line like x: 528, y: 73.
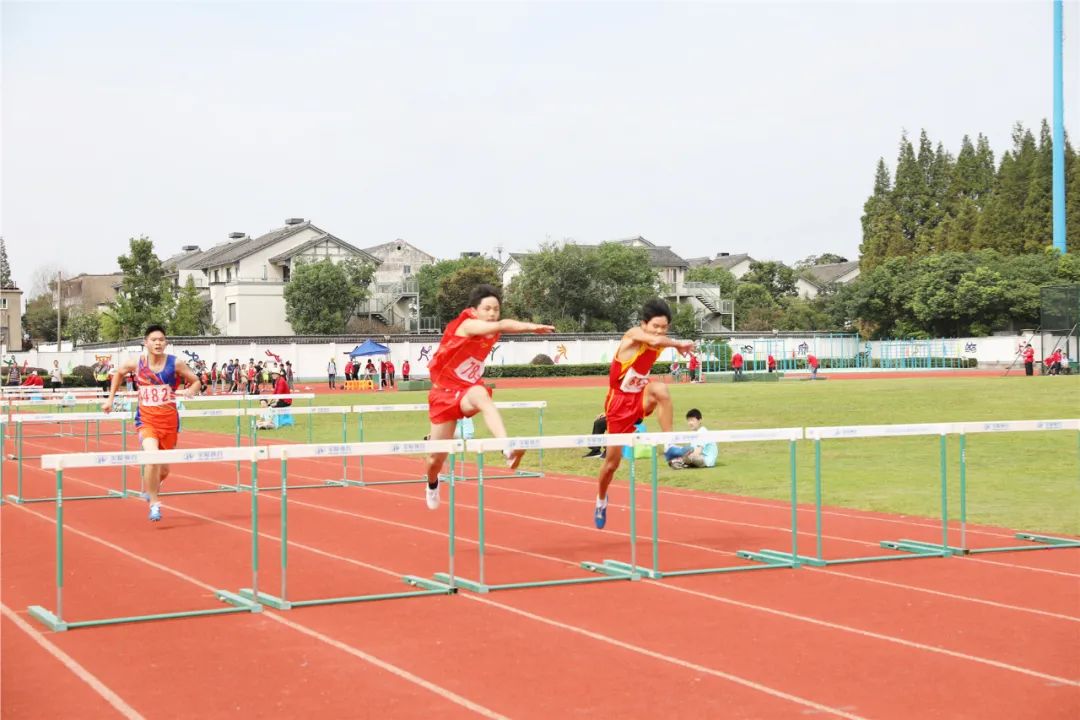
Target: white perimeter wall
x: 311, y: 360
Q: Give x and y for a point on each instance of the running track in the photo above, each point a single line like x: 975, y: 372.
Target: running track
x: 994, y: 636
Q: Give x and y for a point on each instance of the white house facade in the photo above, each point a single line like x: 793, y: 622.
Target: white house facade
x: 813, y: 280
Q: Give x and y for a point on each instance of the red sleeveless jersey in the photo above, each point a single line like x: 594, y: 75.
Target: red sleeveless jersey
x: 626, y: 384
x: 459, y: 362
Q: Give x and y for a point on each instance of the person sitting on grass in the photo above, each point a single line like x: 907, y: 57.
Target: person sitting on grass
x: 697, y: 455
x: 267, y: 418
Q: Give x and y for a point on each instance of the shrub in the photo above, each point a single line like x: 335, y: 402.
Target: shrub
x: 511, y: 371
x: 81, y: 376
x: 542, y: 359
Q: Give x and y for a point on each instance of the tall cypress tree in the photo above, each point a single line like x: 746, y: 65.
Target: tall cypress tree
x: 876, y: 209
x: 909, y: 197
x: 1001, y: 225
x: 5, y: 269
x: 1072, y: 199
x: 1038, y: 228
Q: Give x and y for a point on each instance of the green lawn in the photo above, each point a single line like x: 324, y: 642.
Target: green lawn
x: 1026, y: 481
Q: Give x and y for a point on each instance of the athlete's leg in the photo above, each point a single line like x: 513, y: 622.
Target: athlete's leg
x: 477, y: 400
x: 658, y: 397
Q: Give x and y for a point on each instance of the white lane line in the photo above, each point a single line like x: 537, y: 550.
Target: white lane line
x: 73, y: 665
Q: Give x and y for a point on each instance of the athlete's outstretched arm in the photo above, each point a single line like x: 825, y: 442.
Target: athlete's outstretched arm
x: 486, y: 327
x: 128, y: 366
x: 657, y: 341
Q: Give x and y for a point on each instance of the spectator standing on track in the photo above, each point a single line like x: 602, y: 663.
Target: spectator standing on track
x: 405, y: 370
x: 56, y: 378
x: 331, y: 373
x: 1029, y: 360
x: 770, y: 363
x: 812, y: 363
x: 736, y: 363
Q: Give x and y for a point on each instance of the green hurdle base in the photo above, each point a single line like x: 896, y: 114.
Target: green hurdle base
x: 767, y: 563
x: 608, y: 574
x: 52, y: 622
x: 26, y: 501
x: 1041, y: 542
x: 429, y: 588
x: 914, y: 552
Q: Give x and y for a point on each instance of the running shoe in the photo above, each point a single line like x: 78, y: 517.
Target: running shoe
x: 600, y: 516
x: 155, y: 512
x: 433, y: 497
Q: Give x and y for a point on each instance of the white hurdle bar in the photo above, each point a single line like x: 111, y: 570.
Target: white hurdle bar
x: 362, y: 410
x: 58, y: 463
x: 343, y: 410
x: 284, y: 453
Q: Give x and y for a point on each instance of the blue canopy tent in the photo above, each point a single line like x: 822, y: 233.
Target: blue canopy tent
x: 368, y: 347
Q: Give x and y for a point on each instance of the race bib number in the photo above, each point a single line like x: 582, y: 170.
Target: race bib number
x: 470, y: 371
x: 154, y: 395
x: 633, y: 381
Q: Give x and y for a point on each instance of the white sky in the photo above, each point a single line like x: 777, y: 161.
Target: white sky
x: 738, y: 127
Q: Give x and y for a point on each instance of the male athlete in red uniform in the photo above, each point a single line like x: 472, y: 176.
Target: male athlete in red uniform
x: 631, y: 396
x: 157, y: 419
x: 457, y: 376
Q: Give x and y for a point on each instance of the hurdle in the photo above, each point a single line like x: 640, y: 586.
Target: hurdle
x: 22, y: 419
x: 284, y: 453
x: 124, y: 418
x: 344, y: 411
x: 817, y: 434
x: 763, y: 559
x: 481, y: 584
x: 1036, y: 541
x: 538, y: 405
x: 54, y: 619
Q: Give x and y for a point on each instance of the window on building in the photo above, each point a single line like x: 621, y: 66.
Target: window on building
x: 3, y: 303
x: 228, y: 274
x: 232, y: 312
x: 286, y: 273
x: 216, y: 279
x: 407, y: 270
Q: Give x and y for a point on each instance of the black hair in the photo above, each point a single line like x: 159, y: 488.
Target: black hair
x: 693, y: 413
x: 154, y: 328
x: 655, y: 308
x: 483, y: 291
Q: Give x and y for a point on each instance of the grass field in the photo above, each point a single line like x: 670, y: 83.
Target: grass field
x: 1027, y: 481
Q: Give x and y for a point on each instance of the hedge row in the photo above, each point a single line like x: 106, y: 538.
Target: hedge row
x: 511, y: 371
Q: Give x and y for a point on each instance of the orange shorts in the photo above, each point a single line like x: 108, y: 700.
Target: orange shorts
x: 623, y: 410
x: 444, y: 404
x: 166, y: 438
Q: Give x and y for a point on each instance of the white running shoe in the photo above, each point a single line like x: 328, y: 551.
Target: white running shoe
x: 433, y: 498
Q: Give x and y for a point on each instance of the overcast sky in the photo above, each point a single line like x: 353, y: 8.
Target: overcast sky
x: 710, y: 127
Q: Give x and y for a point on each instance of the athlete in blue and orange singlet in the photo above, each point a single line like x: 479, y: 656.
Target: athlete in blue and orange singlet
x: 157, y: 420
x: 457, y: 375
x: 631, y: 394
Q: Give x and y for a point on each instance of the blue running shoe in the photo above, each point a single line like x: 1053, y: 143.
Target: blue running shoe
x: 155, y: 512
x: 600, y: 517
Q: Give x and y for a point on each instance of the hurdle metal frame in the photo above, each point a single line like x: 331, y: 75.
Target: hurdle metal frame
x: 817, y: 434
x: 343, y: 410
x: 480, y: 584
x: 764, y: 560
x: 1038, y: 541
x: 54, y: 619
x: 362, y: 410
x: 284, y: 453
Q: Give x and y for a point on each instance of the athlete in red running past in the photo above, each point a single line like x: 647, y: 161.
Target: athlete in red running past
x: 631, y: 394
x: 457, y: 376
x: 157, y: 419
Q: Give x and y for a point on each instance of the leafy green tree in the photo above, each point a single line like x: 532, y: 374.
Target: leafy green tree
x: 83, y: 327
x: 145, y: 296
x: 714, y: 276
x: 193, y: 314
x: 911, y: 197
x: 824, y: 259
x: 624, y: 281
x: 429, y: 278
x: 775, y: 277
x: 322, y: 296
x: 1038, y: 216
x: 1001, y: 224
x: 801, y: 314
x: 755, y: 307
x: 685, y: 322
x: 454, y: 289
x: 39, y: 320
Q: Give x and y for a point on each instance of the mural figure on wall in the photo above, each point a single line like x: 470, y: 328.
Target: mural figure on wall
x: 560, y: 352
x: 425, y: 355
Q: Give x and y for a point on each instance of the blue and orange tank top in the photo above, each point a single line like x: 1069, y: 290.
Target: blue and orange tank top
x: 157, y: 399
